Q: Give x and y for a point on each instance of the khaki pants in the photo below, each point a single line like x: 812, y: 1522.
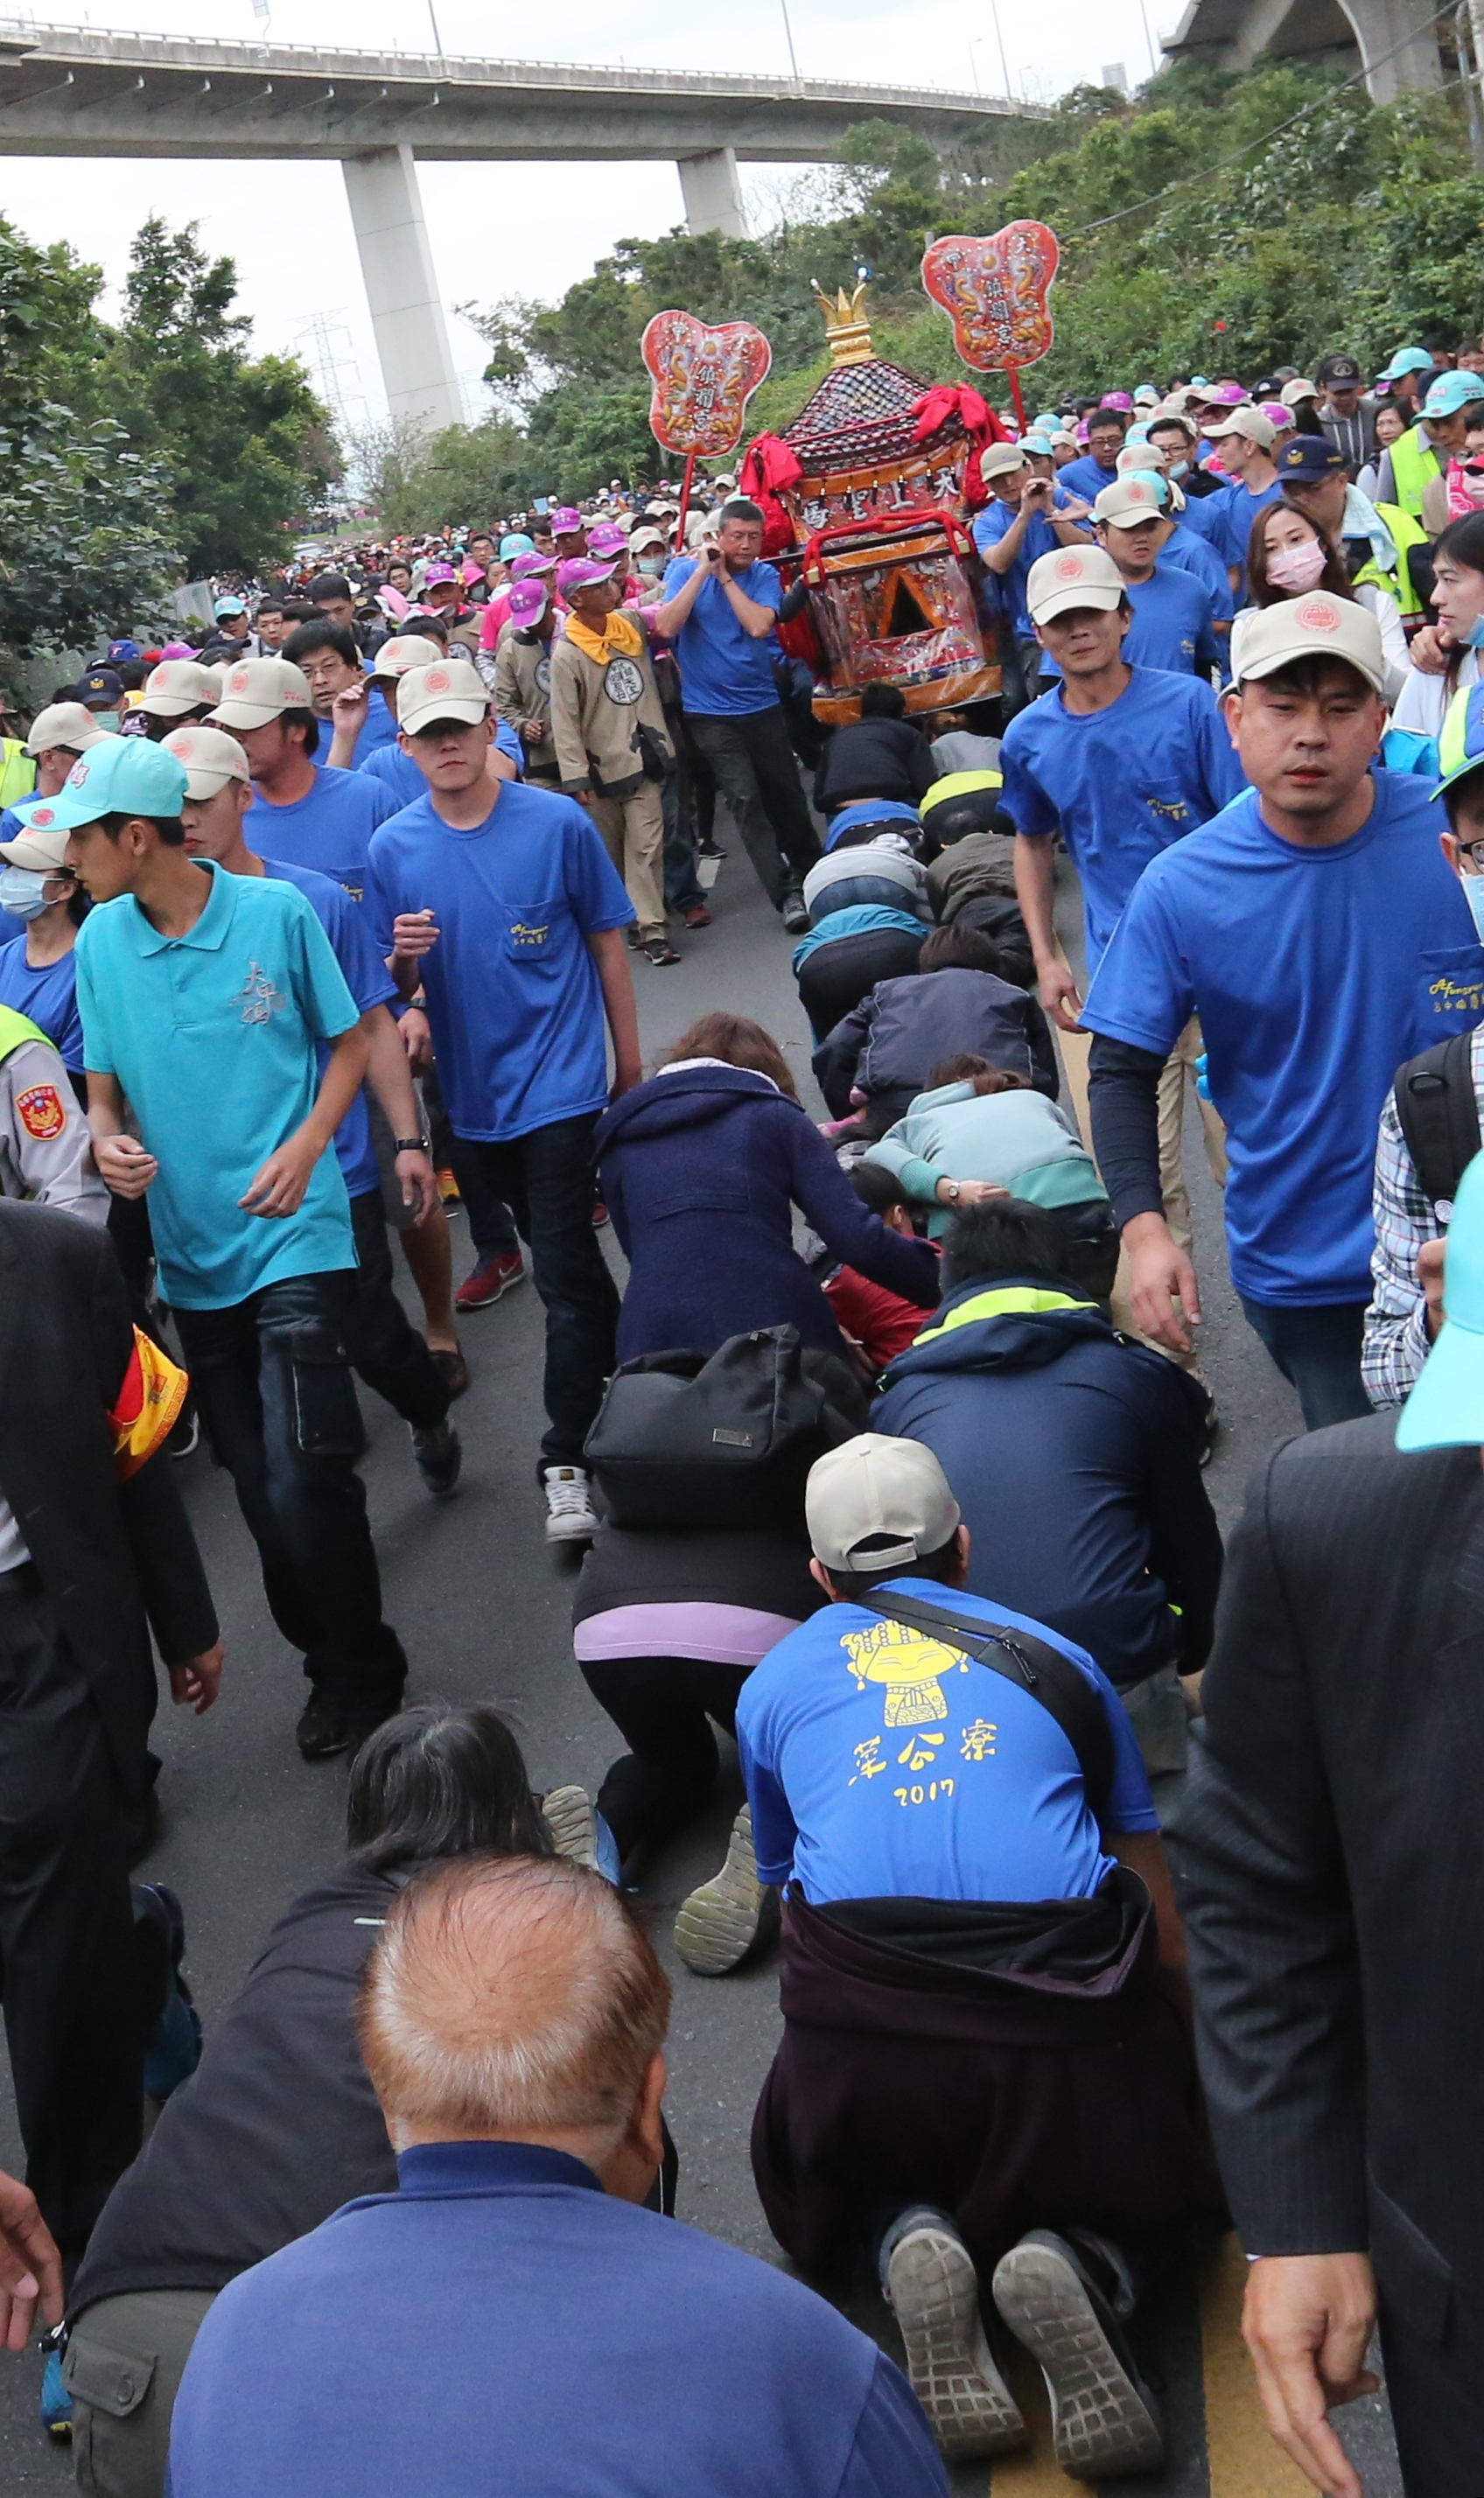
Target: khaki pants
x: 1076, y: 1049
x: 123, y: 2368
x: 632, y: 831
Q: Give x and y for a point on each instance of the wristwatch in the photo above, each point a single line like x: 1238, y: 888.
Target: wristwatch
x: 952, y: 1185
x: 413, y: 1144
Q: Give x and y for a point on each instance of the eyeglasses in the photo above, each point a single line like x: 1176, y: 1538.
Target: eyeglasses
x: 1474, y: 852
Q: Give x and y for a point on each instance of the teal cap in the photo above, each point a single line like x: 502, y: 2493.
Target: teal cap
x: 1407, y: 360
x: 120, y: 776
x: 1445, y: 1410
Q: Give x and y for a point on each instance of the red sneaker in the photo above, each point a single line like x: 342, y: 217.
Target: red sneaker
x: 494, y: 1275
x: 697, y: 917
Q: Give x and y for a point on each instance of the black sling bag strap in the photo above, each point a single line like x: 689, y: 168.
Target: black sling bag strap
x: 1061, y: 1687
x: 1439, y: 1112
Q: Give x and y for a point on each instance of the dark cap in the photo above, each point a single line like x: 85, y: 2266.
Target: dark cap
x: 1340, y: 370
x: 100, y: 684
x: 1309, y: 460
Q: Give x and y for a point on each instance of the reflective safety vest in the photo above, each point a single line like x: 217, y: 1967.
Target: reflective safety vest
x: 14, y: 1029
x: 17, y: 772
x: 1413, y: 463
x: 1406, y: 533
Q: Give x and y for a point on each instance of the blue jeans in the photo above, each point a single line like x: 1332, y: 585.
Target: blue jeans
x: 546, y: 1178
x: 1318, y: 1351
x: 274, y: 1384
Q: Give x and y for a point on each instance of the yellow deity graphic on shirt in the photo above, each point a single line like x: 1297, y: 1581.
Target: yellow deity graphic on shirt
x: 909, y: 1664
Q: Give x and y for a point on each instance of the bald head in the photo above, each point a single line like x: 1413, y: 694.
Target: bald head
x: 515, y: 2000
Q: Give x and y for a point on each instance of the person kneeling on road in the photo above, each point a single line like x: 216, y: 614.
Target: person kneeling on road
x: 985, y: 2070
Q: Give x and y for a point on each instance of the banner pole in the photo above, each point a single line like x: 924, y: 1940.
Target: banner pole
x: 1014, y: 379
x: 685, y: 502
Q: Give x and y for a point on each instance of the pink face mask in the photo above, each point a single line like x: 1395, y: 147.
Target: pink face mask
x: 1297, y: 567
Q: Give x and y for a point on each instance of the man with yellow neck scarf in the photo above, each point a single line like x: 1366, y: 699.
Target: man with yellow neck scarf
x: 612, y: 749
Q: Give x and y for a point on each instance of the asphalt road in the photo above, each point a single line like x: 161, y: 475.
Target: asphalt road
x: 483, y: 1604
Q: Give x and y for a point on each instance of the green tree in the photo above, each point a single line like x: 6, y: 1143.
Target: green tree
x: 82, y: 546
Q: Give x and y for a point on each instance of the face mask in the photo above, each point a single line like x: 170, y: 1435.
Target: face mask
x: 1473, y: 895
x: 107, y: 720
x: 1176, y: 467
x: 1474, y: 637
x: 1297, y: 567
x: 23, y: 892
x: 648, y: 566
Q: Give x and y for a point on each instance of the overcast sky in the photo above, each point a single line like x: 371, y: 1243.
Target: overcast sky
x: 512, y: 229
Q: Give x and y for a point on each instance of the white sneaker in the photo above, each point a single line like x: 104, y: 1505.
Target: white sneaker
x: 571, y: 1816
x: 931, y: 2287
x: 570, y: 1517
x: 721, y: 1920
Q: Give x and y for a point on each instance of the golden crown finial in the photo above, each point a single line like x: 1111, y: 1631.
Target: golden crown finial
x: 846, y: 326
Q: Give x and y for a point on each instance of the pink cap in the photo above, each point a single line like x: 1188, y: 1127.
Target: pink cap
x: 1277, y: 411
x: 470, y: 571
x: 563, y: 522
x: 1226, y: 394
x: 526, y: 603
x: 1116, y: 398
x: 436, y: 572
x: 524, y: 566
x: 579, y: 572
x: 178, y: 651
x: 607, y: 538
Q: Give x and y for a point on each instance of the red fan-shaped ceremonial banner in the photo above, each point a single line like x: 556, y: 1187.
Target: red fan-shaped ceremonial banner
x: 704, y: 379
x: 995, y: 286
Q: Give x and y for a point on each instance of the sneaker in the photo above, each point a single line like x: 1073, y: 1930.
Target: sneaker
x: 721, y: 1921
x: 932, y: 2290
x: 571, y: 1816
x: 453, y: 1370
x: 173, y: 2048
x: 795, y: 916
x: 322, y: 1730
x: 1104, y: 2421
x: 439, y: 1453
x: 496, y: 1271
x: 569, y: 1513
x: 631, y: 936
x: 697, y: 916
x: 658, y: 950
x: 710, y: 850
x: 55, y: 2400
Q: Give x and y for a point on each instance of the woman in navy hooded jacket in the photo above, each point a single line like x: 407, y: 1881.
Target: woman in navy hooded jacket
x: 700, y: 1169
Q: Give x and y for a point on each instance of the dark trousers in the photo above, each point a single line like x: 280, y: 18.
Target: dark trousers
x: 69, y: 1969
x: 546, y: 1179
x: 385, y: 1347
x: 664, y: 1707
x: 683, y: 887
x: 834, y: 978
x: 1318, y: 1351
x: 273, y: 1382
x: 756, y: 774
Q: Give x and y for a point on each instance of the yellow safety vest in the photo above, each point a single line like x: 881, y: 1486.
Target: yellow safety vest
x: 1406, y: 533
x: 1413, y: 463
x: 17, y: 772
x: 14, y: 1029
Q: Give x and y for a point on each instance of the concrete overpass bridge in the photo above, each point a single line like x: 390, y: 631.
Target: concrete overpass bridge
x: 1394, y: 40
x: 75, y: 91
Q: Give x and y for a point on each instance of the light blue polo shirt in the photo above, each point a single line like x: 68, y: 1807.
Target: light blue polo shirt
x: 211, y: 1036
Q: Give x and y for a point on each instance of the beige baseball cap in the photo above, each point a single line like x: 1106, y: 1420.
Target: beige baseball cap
x: 42, y: 847
x: 1071, y: 576
x: 1316, y: 627
x: 404, y: 651
x: 1000, y: 459
x: 212, y: 759
x: 1295, y: 390
x: 447, y: 690
x: 878, y: 1504
x: 65, y: 723
x: 1249, y: 422
x: 1128, y: 499
x: 177, y: 686
x: 255, y: 691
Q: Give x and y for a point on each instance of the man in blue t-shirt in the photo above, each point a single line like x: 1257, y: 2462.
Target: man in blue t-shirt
x: 1244, y: 440
x: 1318, y: 934
x: 1175, y: 614
x: 319, y: 819
x: 500, y: 903
x: 719, y: 610
x: 387, y: 1351
x: 1099, y: 464
x: 202, y: 998
x: 1124, y: 760
x: 1018, y: 523
x: 367, y: 699
x: 941, y: 1798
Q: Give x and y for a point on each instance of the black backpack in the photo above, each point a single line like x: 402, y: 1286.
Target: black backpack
x: 1061, y: 1687
x: 1438, y: 1111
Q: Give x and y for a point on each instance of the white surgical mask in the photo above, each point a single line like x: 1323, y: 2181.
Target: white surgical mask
x: 1473, y: 895
x: 23, y: 892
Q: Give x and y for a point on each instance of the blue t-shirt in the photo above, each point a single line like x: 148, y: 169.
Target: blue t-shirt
x: 1171, y: 626
x: 370, y: 984
x: 1314, y: 973
x: 398, y: 774
x: 994, y: 523
x: 1232, y: 534
x: 1206, y: 513
x: 513, y: 994
x: 13, y: 821
x: 1196, y: 554
x: 881, y: 1765
x: 722, y: 669
x: 211, y: 1036
x: 1122, y: 784
x: 329, y: 829
x: 1084, y: 478
x: 46, y: 993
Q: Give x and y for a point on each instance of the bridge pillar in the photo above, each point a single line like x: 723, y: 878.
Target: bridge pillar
x: 1404, y: 30
x: 402, y: 288
x: 712, y: 190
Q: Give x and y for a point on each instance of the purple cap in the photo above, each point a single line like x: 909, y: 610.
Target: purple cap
x: 607, y: 538
x: 1277, y: 411
x: 564, y: 521
x: 1116, y: 398
x: 1226, y: 394
x: 436, y: 572
x: 526, y: 603
x: 524, y: 566
x: 579, y: 572
x: 179, y: 650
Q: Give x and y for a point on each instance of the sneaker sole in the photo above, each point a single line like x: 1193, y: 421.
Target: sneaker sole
x: 487, y: 1300
x: 1101, y: 2423
x: 935, y: 2299
x: 570, y: 1530
x: 571, y: 1817
x: 721, y: 1920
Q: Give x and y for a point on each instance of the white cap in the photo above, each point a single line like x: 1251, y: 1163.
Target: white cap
x: 1249, y: 422
x: 1315, y: 627
x: 1131, y: 497
x: 212, y: 759
x: 1001, y: 459
x: 40, y: 849
x: 255, y: 691
x: 64, y: 724
x: 404, y: 651
x: 889, y: 1497
x: 177, y: 686
x: 444, y: 691
x: 1072, y: 577
x: 1298, y: 389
